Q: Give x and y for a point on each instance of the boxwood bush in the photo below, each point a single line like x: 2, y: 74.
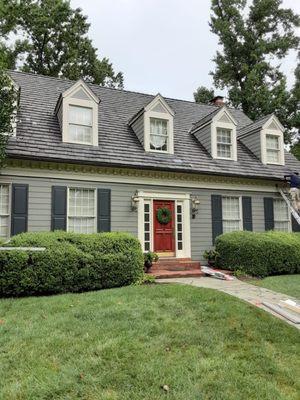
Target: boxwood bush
x: 71, y: 263
x: 259, y: 254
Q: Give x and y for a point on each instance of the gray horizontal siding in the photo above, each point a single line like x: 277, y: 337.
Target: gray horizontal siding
x: 123, y: 219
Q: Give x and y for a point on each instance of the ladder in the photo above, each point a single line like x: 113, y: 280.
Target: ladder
x: 291, y: 208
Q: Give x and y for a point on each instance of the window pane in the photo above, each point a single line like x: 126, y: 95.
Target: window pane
x: 158, y: 134
x: 80, y: 133
x: 4, y: 211
x: 81, y: 210
x: 230, y: 226
x: 224, y: 136
x: 281, y: 216
x: 80, y: 115
x: 4, y: 227
x: 272, y: 142
x: 231, y: 208
x: 224, y: 150
x: 272, y: 156
x: 147, y: 207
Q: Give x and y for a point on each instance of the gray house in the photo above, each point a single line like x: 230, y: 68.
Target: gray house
x: 174, y: 173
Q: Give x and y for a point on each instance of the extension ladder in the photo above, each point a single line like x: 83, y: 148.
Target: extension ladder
x: 289, y: 204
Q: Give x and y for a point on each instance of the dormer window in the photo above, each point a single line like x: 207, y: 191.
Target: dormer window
x: 77, y: 112
x: 224, y: 143
x: 80, y: 124
x: 153, y: 125
x: 159, y: 134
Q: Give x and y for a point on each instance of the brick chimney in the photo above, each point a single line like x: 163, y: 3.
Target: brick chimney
x: 217, y: 101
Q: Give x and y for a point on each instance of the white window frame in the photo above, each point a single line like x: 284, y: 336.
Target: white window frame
x: 241, y: 227
x: 288, y: 220
x: 68, y: 203
x: 168, y: 116
x: 68, y: 99
x: 226, y: 144
x: 9, y: 210
x: 279, y: 135
x: 216, y: 123
x: 167, y: 135
x: 72, y: 123
x: 178, y: 198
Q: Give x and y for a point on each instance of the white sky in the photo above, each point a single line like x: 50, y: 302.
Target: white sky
x: 160, y: 45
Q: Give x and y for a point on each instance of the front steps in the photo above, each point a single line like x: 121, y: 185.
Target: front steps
x: 175, y: 268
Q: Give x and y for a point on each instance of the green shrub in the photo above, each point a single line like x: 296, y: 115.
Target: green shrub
x: 259, y: 254
x: 71, y: 263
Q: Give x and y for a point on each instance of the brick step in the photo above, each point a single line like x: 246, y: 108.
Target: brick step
x: 175, y: 265
x: 190, y: 273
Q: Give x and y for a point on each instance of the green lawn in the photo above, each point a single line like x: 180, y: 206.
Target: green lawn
x: 126, y: 343
x: 288, y: 284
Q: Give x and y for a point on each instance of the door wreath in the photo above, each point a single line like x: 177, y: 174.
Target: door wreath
x: 163, y: 215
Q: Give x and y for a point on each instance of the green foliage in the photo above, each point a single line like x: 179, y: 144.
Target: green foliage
x: 52, y: 39
x: 211, y: 255
x: 8, y: 98
x: 259, y: 254
x: 150, y: 257
x: 146, y: 279
x: 71, y: 263
x: 203, y: 95
x: 250, y: 41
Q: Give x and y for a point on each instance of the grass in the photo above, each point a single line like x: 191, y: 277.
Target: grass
x: 127, y: 343
x: 287, y: 284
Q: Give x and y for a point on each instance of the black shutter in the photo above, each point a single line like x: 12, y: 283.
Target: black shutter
x: 269, y: 213
x: 295, y: 225
x: 103, y: 223
x: 216, y: 216
x: 19, y: 209
x: 247, y: 213
x: 59, y: 208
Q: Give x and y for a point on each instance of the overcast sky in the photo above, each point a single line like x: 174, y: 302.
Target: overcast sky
x: 160, y: 45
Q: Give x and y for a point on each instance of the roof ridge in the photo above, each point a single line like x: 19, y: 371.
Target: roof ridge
x: 112, y: 88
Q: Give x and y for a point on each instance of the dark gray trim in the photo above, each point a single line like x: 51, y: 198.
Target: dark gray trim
x: 59, y: 208
x: 247, y: 213
x: 216, y: 216
x: 19, y: 208
x: 104, y: 210
x: 269, y: 213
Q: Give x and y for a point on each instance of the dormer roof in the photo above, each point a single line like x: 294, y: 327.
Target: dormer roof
x: 218, y: 112
x: 261, y: 123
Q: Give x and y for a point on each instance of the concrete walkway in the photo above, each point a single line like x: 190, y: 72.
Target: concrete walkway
x: 245, y: 291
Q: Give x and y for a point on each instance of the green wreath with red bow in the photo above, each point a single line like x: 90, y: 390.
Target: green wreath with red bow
x: 163, y: 215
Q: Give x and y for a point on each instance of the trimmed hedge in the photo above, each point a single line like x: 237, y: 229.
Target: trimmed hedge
x: 71, y: 263
x: 259, y: 254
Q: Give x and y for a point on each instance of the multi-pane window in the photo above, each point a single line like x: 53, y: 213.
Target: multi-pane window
x: 159, y: 134
x: 179, y: 227
x: 273, y: 149
x: 147, y: 236
x: 231, y: 214
x: 82, y: 211
x: 4, y: 211
x: 80, y: 124
x: 281, y: 216
x: 224, y: 143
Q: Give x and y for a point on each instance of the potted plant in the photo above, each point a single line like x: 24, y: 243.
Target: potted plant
x: 211, y: 256
x: 149, y: 258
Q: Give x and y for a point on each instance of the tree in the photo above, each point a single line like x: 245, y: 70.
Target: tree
x: 54, y: 41
x: 203, y: 95
x: 295, y: 114
x: 251, y: 42
x: 8, y: 99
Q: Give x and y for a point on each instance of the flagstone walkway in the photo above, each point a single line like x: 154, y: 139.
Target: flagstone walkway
x: 245, y: 291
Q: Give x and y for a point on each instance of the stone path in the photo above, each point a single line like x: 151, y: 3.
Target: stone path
x: 245, y: 291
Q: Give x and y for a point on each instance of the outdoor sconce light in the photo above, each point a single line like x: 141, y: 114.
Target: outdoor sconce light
x: 134, y: 201
x: 195, y: 205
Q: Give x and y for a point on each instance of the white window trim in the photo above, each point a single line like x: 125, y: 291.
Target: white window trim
x: 68, y: 201
x: 225, y: 125
x: 167, y: 116
x: 182, y: 198
x: 278, y: 134
x: 289, y: 220
x: 9, y: 208
x: 241, y: 225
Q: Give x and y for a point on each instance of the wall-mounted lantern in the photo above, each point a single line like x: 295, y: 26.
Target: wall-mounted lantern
x: 195, y: 205
x: 134, y: 201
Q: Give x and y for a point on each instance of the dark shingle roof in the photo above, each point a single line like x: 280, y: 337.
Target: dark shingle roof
x: 254, y: 126
x: 39, y: 137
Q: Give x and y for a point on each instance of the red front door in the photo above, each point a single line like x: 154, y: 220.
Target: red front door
x: 164, y: 234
